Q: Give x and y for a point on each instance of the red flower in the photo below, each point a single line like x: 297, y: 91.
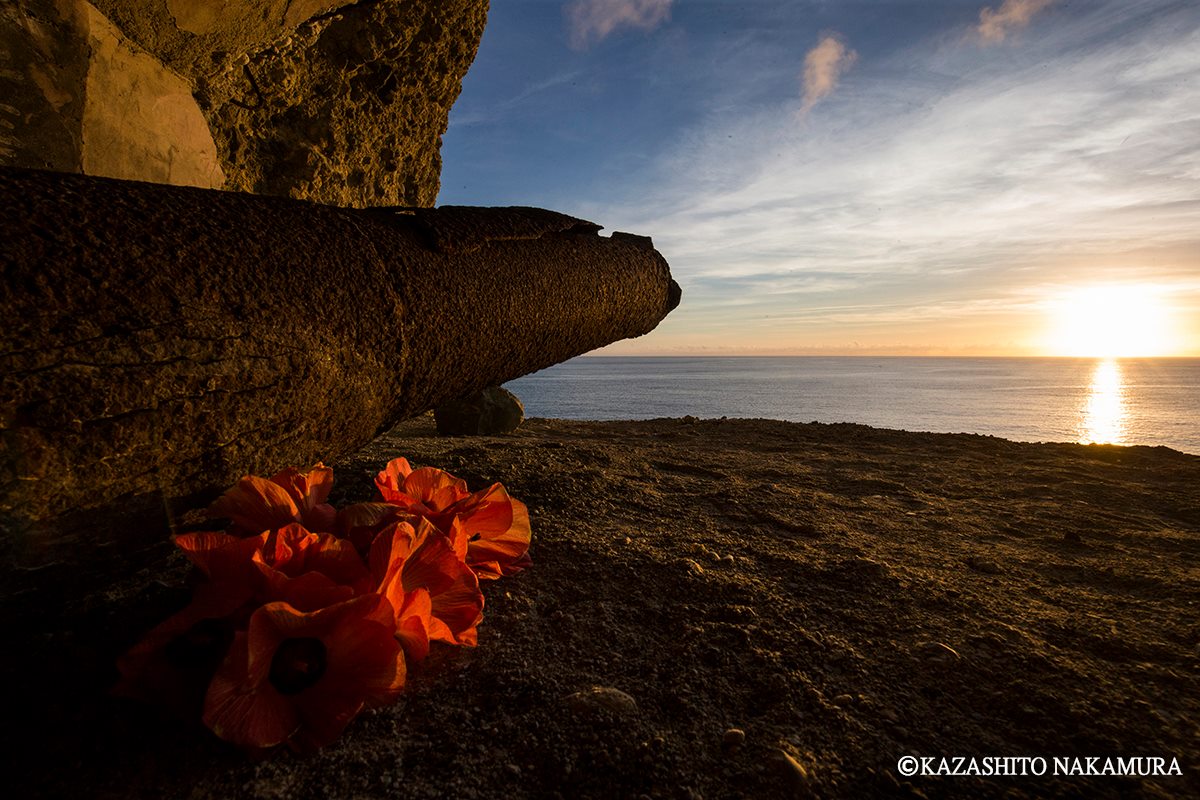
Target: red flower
x: 257, y: 505
x: 308, y: 570
x: 293, y: 629
x: 405, y: 560
x: 300, y: 677
x: 496, y: 525
x: 172, y: 664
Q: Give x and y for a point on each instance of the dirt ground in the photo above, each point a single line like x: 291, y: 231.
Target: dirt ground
x: 842, y: 596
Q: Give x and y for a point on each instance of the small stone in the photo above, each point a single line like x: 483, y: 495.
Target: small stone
x: 984, y: 565
x: 867, y: 567
x: 890, y: 715
x: 514, y: 769
x: 602, y: 698
x: 791, y: 771
x: 843, y: 700
x: 733, y: 739
x: 727, y: 561
x: 693, y: 567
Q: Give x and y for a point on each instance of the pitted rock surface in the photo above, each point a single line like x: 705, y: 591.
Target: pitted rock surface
x: 342, y: 103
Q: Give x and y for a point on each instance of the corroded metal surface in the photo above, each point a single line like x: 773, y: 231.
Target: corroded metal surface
x: 159, y: 342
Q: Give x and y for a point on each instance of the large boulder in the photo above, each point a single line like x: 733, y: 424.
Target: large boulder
x: 342, y: 103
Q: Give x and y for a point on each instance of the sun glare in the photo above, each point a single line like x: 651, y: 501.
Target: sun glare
x: 1111, y: 322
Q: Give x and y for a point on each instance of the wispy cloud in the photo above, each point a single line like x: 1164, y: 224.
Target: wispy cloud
x: 1064, y: 160
x: 995, y: 24
x: 497, y: 111
x: 589, y: 21
x: 823, y: 66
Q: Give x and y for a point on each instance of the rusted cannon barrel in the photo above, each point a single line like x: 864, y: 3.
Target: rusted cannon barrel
x: 158, y: 342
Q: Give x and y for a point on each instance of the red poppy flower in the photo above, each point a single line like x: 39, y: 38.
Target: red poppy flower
x: 308, y: 570
x: 256, y: 505
x: 497, y: 526
x: 172, y: 665
x: 404, y: 560
x: 300, y: 677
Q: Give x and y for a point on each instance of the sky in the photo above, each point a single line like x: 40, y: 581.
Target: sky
x: 953, y: 177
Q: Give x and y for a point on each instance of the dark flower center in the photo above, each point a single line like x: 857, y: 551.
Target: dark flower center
x: 202, y: 646
x: 298, y: 664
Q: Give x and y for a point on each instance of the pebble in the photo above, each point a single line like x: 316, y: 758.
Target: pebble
x: 693, y: 567
x: 733, y: 739
x: 843, y: 700
x: 984, y: 565
x: 790, y: 770
x: 867, y: 567
x: 602, y: 698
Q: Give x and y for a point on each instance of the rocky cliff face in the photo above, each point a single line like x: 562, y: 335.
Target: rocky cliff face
x: 342, y: 103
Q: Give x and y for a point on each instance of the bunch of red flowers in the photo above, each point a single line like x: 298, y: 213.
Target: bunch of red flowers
x: 302, y: 615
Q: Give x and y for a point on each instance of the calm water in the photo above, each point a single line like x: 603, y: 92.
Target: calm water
x: 1127, y: 401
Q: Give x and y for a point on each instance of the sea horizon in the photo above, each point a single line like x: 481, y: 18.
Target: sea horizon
x: 886, y: 355
x: 1126, y: 401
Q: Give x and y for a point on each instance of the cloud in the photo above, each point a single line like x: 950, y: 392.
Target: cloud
x: 995, y: 25
x: 823, y: 65
x: 1071, y: 159
x: 592, y: 20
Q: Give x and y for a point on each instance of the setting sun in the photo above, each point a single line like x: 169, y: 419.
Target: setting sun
x: 1116, y: 321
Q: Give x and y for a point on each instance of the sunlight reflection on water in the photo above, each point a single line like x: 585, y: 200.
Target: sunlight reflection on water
x: 1102, y: 417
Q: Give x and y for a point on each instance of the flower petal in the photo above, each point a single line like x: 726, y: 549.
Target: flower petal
x: 255, y: 505
x: 362, y: 522
x: 407, y: 561
x: 391, y: 479
x: 412, y: 625
x: 456, y: 612
x: 493, y: 555
x: 436, y: 488
x: 431, y: 563
x: 307, y: 489
x: 250, y: 713
x: 173, y: 664
x: 216, y: 554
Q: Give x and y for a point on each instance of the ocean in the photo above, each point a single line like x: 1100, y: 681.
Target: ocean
x: 1126, y: 401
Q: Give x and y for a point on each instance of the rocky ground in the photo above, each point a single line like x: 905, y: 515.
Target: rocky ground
x: 747, y: 608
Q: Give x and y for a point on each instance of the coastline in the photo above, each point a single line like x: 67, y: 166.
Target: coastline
x: 843, y: 595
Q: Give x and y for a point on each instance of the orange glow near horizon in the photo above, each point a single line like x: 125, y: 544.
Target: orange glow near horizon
x: 1116, y: 321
